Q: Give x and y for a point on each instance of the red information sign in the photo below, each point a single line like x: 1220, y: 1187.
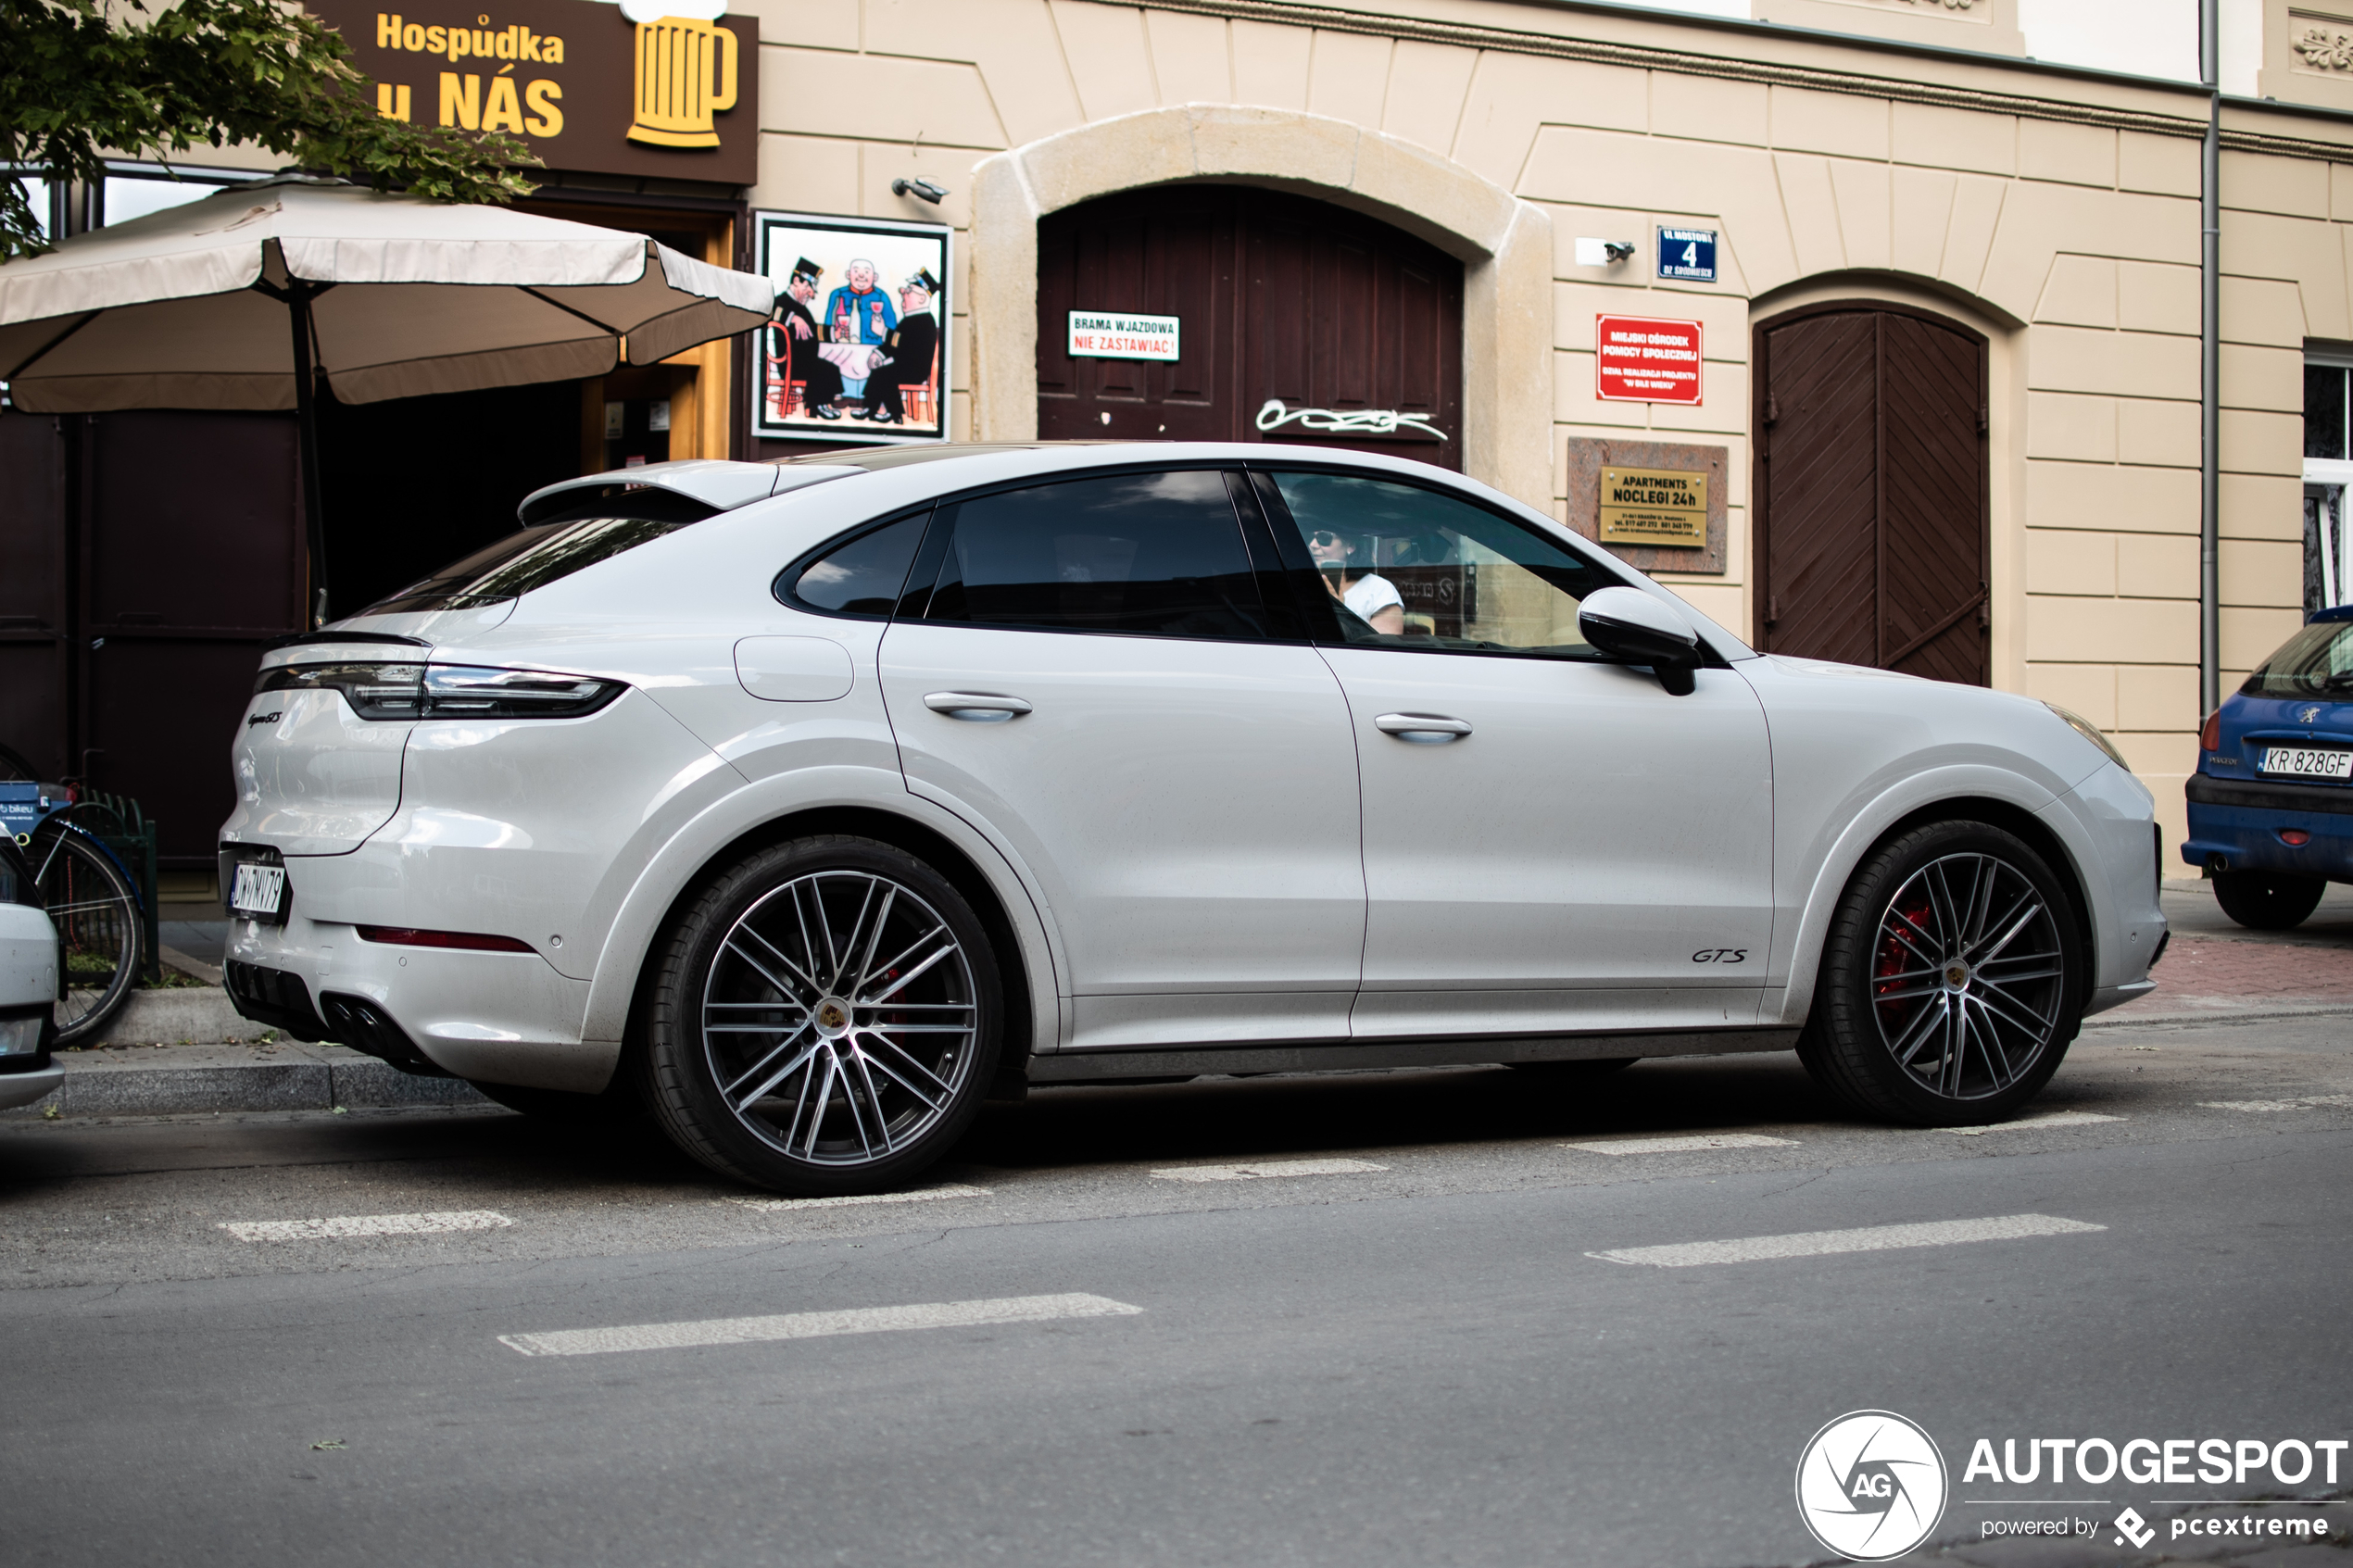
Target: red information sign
x: 1643, y: 359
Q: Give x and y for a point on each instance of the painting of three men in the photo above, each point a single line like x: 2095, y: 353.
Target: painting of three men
x: 857, y: 351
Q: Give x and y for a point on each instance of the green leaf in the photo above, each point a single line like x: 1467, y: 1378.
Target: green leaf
x: 206, y: 73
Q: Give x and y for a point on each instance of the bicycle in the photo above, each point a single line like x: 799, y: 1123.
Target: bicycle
x: 90, y: 897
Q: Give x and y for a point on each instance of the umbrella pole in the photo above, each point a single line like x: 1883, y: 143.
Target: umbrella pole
x: 305, y: 359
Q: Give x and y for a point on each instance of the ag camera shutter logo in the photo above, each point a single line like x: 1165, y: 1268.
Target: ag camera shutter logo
x: 1871, y: 1485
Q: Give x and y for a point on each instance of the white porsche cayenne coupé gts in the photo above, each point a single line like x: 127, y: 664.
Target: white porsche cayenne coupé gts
x: 813, y: 804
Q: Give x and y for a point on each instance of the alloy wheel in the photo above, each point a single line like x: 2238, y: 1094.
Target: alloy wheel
x: 1968, y: 976
x: 840, y: 1018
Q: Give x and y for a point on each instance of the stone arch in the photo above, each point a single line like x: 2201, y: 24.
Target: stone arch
x: 1505, y: 243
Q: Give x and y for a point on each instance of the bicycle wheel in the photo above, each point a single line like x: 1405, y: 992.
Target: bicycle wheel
x: 96, y: 913
x: 14, y: 769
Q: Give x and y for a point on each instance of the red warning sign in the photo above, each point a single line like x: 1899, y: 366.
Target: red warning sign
x: 1643, y: 359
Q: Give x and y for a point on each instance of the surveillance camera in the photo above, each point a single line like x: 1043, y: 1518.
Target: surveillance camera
x: 926, y: 191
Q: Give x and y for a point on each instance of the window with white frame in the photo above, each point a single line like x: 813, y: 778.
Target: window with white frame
x: 2328, y: 470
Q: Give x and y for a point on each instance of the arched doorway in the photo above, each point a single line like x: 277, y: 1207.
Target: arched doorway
x: 1278, y: 298
x: 1872, y: 490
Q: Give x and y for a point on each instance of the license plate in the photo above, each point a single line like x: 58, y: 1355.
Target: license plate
x: 2306, y: 762
x: 259, y: 891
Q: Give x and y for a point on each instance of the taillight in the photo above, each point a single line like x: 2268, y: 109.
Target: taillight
x: 472, y: 941
x: 2209, y: 734
x: 445, y: 691
x: 456, y: 691
x: 374, y: 690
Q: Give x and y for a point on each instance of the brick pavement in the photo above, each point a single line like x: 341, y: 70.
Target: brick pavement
x: 2226, y: 974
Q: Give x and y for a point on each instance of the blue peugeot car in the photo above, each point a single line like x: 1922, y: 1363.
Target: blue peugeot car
x: 2271, y: 802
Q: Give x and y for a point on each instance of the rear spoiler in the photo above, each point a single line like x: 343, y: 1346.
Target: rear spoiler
x: 716, y: 483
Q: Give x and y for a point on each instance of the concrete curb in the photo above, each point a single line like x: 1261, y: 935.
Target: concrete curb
x: 135, y: 1078
x: 2121, y: 1020
x: 182, y: 1015
x: 277, y: 1085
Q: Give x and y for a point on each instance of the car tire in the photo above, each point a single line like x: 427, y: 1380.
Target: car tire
x: 1952, y: 982
x: 2267, y: 900
x: 823, y: 1019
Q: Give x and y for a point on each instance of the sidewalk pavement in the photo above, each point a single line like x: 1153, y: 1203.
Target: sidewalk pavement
x: 185, y: 1050
x: 2215, y: 970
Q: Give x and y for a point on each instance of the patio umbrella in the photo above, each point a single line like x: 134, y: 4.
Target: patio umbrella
x: 248, y: 298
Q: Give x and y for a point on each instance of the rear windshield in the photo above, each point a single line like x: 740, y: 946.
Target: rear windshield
x: 534, y: 557
x: 2319, y: 658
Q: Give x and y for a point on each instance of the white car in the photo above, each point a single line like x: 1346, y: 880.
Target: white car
x: 27, y: 984
x: 814, y: 803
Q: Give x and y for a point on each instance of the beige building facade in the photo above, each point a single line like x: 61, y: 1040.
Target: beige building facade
x: 1897, y: 154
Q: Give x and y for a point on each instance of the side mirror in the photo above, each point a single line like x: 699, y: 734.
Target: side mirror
x: 1634, y: 628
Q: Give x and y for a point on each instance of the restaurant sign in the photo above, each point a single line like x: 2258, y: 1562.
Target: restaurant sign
x: 579, y: 83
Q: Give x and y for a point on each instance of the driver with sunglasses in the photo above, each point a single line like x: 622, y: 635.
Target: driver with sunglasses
x: 1373, y: 598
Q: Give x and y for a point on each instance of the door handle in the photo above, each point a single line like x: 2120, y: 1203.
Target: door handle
x: 1422, y: 729
x: 976, y: 708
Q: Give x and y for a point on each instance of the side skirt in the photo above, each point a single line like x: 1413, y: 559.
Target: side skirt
x: 1097, y: 1067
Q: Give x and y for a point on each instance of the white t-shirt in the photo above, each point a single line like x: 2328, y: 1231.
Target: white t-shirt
x: 1371, y: 594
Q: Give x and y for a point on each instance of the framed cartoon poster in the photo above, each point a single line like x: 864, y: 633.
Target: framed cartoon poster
x: 858, y: 348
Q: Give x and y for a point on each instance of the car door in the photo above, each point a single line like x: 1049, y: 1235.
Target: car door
x: 1094, y: 678
x: 1551, y: 841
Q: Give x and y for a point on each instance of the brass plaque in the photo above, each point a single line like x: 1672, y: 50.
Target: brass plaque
x: 1654, y: 507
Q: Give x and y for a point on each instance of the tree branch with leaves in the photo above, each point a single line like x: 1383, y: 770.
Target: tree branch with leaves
x: 81, y: 79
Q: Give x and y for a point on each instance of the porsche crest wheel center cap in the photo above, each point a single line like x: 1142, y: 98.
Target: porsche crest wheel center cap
x: 1956, y: 976
x: 832, y: 1017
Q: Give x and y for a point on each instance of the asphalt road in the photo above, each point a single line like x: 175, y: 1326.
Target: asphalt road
x: 1416, y: 1362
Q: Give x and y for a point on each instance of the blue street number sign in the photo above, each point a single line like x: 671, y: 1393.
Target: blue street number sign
x: 1688, y: 255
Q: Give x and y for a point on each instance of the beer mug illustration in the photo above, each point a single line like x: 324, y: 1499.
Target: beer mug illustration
x: 686, y: 74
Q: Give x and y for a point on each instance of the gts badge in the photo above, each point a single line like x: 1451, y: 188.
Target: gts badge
x: 1720, y: 955
x: 265, y: 718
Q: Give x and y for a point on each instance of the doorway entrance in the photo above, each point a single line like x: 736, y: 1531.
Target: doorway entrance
x: 1278, y: 298
x: 1872, y: 489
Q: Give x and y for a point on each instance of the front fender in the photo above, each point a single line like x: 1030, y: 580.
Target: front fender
x: 1799, y: 958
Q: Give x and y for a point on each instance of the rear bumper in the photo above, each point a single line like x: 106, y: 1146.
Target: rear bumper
x: 2235, y: 826
x: 500, y: 1018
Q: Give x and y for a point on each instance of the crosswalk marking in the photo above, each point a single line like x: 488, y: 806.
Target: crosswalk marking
x: 1260, y: 1169
x: 2043, y: 1119
x: 771, y: 1205
x: 816, y: 1325
x: 347, y: 1226
x: 1869, y: 1238
x: 1683, y: 1144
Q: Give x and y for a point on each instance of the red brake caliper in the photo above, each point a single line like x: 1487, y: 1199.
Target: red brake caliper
x: 1894, y: 956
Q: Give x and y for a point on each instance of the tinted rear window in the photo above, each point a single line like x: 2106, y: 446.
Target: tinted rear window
x: 533, y: 556
x: 861, y: 577
x: 2317, y: 659
x: 1158, y: 554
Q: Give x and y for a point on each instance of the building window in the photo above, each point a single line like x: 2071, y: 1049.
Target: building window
x: 2328, y: 469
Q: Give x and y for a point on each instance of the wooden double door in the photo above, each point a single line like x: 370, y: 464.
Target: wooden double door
x: 1278, y: 298
x: 1871, y: 490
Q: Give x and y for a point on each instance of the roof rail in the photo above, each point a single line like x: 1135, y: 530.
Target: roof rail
x: 715, y: 483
